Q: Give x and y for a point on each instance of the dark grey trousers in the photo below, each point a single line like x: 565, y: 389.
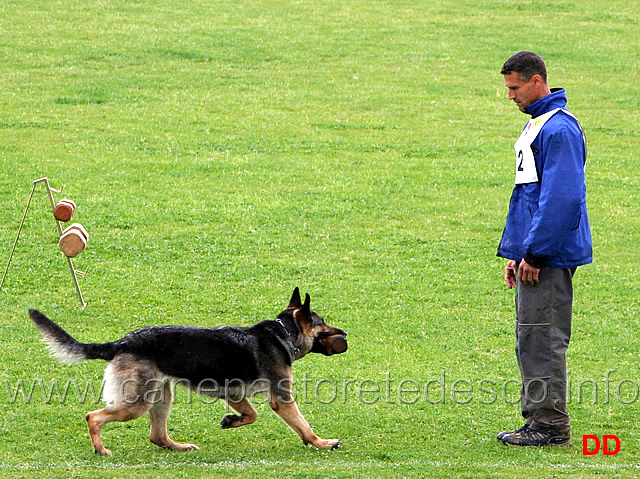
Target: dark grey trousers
x: 543, y: 330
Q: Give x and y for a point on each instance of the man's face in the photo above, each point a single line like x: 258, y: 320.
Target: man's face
x: 523, y: 93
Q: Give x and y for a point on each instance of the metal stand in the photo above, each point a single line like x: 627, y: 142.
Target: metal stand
x: 53, y: 205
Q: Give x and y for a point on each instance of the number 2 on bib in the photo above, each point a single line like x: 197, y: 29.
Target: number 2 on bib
x: 520, y: 160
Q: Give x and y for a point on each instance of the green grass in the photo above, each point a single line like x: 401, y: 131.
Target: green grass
x: 222, y: 153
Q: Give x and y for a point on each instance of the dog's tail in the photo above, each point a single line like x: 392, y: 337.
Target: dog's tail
x: 64, y: 347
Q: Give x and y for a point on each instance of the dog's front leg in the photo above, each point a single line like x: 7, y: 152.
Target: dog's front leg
x: 289, y: 412
x: 248, y: 414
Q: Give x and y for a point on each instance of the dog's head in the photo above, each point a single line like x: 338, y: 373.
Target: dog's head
x: 315, y: 335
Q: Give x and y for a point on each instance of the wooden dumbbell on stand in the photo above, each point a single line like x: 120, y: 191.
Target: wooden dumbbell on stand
x: 64, y: 210
x: 73, y: 240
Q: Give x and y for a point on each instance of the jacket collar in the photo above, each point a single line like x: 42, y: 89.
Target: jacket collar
x: 556, y: 99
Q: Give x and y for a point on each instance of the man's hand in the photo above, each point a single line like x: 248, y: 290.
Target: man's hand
x: 528, y: 274
x: 510, y: 274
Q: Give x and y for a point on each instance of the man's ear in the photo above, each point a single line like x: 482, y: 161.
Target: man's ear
x: 537, y: 80
x: 295, y: 302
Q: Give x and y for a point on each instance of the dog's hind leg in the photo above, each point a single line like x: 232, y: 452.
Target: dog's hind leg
x: 128, y: 391
x: 97, y: 419
x: 290, y: 414
x: 248, y: 414
x: 159, y: 413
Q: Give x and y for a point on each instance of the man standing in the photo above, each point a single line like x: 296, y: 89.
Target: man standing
x: 546, y: 237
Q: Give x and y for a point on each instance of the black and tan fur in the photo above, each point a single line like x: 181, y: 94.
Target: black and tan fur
x: 229, y: 362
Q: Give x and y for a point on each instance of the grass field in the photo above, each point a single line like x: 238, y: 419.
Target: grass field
x: 222, y: 153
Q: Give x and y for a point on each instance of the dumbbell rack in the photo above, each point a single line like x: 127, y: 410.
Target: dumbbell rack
x: 50, y: 192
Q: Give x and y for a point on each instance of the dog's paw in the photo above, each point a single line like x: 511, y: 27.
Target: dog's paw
x: 102, y: 452
x: 168, y: 443
x: 229, y: 421
x: 326, y: 444
x: 186, y: 447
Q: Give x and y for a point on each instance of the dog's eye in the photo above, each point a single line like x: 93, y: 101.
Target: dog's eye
x: 317, y: 322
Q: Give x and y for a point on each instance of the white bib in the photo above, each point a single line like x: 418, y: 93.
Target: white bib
x: 525, y: 163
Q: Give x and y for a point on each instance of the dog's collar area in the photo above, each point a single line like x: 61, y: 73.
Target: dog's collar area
x: 296, y: 351
x: 279, y: 321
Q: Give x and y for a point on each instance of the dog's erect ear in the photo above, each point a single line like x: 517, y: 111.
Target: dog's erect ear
x: 295, y: 302
x: 304, y: 312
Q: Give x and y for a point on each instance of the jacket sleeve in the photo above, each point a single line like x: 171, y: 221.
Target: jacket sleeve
x: 562, y: 190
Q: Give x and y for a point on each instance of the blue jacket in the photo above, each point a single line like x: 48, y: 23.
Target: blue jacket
x: 547, y: 223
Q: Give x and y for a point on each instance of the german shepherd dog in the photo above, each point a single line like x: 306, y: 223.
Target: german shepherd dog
x: 228, y: 362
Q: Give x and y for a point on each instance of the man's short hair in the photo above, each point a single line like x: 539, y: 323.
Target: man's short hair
x: 525, y: 64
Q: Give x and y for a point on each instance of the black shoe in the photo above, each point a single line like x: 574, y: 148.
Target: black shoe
x: 529, y: 437
x: 504, y: 433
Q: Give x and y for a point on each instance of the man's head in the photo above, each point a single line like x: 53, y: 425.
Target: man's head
x: 525, y: 76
